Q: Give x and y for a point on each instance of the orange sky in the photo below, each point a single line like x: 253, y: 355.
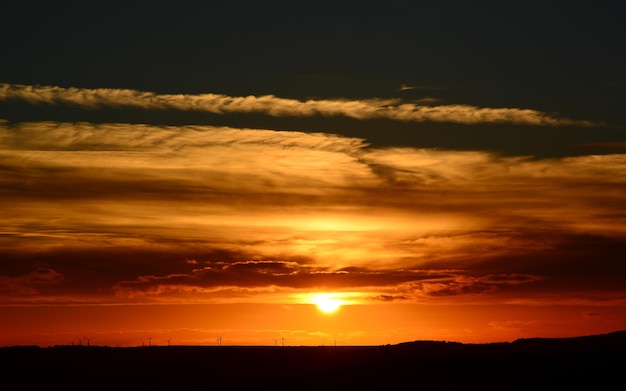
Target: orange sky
x: 296, y: 325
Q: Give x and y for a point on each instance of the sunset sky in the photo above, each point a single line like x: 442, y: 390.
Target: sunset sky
x: 180, y: 172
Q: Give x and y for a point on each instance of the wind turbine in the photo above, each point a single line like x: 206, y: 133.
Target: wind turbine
x: 87, y: 339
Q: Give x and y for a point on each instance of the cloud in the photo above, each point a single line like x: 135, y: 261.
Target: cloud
x: 53, y: 136
x: 516, y: 325
x: 220, y: 280
x: 464, y: 284
x: 285, y: 274
x: 29, y: 284
x: 122, y: 212
x: 607, y: 145
x: 405, y: 87
x: 392, y: 109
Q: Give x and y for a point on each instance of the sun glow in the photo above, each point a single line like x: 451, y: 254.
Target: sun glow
x: 327, y: 302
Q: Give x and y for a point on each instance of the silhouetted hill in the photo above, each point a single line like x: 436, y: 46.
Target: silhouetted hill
x: 534, y: 363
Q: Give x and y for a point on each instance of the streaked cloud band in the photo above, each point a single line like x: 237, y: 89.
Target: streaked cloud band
x: 391, y: 109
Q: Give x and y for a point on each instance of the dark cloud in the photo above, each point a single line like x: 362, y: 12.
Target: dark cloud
x: 34, y: 283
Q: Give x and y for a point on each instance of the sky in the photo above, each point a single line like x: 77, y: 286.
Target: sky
x: 196, y: 173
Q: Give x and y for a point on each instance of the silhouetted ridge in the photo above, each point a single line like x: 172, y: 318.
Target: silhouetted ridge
x: 614, y: 342
x: 523, y: 364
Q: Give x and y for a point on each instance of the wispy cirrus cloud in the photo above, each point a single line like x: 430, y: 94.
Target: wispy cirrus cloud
x: 391, y: 109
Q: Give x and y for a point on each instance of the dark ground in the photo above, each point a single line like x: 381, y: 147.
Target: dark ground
x: 596, y: 361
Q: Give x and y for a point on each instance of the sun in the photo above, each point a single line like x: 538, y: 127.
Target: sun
x: 327, y: 303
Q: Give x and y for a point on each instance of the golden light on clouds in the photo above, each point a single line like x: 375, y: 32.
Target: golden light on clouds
x: 138, y: 214
x: 321, y: 201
